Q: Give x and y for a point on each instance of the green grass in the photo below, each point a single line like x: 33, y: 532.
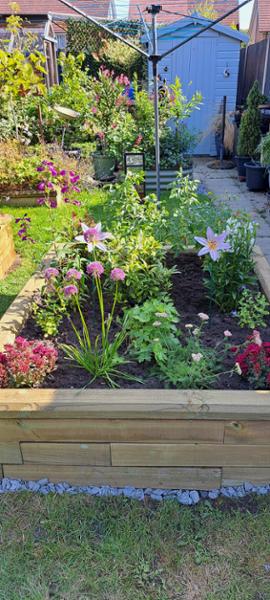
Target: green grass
x: 44, y: 224
x: 81, y: 548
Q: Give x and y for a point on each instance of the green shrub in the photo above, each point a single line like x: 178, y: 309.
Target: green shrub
x: 250, y: 126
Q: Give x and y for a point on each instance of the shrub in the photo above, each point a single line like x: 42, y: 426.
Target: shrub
x: 252, y: 309
x: 26, y: 363
x: 250, y: 126
x: 152, y: 329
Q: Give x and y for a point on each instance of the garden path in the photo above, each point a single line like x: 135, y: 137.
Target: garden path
x: 226, y: 186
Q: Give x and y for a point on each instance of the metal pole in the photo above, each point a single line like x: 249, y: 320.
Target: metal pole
x: 154, y: 10
x: 223, y: 130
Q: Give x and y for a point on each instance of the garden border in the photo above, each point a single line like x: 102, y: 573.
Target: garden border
x: 201, y: 439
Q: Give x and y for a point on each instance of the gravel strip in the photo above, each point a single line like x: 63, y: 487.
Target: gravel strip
x: 186, y: 497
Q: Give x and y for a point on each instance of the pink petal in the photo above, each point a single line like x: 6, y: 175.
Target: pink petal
x: 222, y: 237
x: 203, y: 251
x: 201, y: 240
x: 84, y: 227
x: 90, y: 247
x: 101, y: 246
x: 79, y: 238
x: 214, y: 254
x: 210, y: 234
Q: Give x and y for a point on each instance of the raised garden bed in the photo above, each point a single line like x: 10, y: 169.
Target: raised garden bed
x: 21, y: 198
x: 150, y: 437
x: 7, y: 249
x: 167, y: 178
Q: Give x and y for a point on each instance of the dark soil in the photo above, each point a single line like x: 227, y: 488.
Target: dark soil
x: 189, y: 297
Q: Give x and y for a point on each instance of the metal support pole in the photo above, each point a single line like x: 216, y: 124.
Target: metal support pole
x: 223, y: 125
x: 154, y: 10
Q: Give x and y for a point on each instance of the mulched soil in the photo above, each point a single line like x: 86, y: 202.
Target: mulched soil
x: 189, y: 297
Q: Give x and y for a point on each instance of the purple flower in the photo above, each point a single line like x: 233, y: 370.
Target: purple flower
x: 66, y: 200
x: 95, y: 268
x: 75, y: 179
x: 70, y: 290
x: 41, y: 186
x: 64, y: 189
x: 53, y: 172
x: 117, y: 274
x: 73, y: 274
x: 213, y: 244
x: 41, y: 201
x: 93, y: 237
x: 76, y: 203
x: 75, y: 189
x: 40, y: 169
x: 63, y: 173
x: 50, y: 185
x: 72, y: 174
x: 51, y: 272
x: 53, y: 203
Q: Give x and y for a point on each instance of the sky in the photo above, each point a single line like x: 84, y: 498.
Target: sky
x: 245, y: 14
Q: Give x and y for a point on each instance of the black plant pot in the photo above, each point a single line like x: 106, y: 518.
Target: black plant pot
x: 241, y: 166
x: 256, y: 177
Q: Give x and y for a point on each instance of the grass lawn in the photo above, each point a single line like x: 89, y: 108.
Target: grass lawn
x: 82, y: 548
x: 44, y: 223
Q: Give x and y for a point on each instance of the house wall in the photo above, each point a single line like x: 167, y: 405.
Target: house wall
x: 201, y: 66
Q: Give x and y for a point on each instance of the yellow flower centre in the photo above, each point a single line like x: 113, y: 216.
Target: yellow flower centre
x: 212, y: 244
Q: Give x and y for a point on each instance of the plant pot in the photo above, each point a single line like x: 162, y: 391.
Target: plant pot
x: 256, y: 177
x: 103, y: 166
x: 240, y: 165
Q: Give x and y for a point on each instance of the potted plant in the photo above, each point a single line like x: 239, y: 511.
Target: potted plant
x: 249, y: 137
x: 110, y: 123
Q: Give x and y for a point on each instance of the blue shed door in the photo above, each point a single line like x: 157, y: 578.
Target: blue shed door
x: 195, y: 65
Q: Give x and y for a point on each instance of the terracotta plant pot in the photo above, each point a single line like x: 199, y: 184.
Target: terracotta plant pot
x: 7, y: 249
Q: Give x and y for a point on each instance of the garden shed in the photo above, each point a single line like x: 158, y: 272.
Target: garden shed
x: 208, y: 63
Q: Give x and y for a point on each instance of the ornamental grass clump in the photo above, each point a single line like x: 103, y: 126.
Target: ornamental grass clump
x: 26, y: 363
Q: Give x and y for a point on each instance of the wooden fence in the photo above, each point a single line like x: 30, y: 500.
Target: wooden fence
x: 254, y: 65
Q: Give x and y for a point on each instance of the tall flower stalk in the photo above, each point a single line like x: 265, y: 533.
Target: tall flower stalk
x: 100, y: 356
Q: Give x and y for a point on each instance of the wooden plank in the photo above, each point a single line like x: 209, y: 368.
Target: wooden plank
x: 237, y: 476
x: 247, y: 432
x: 110, y: 430
x: 262, y: 270
x: 178, y: 478
x: 66, y: 454
x: 135, y: 404
x: 10, y: 453
x: 195, y: 455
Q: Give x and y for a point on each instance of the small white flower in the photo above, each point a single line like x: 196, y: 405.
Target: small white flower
x: 157, y: 323
x: 203, y: 316
x: 163, y: 315
x: 197, y: 357
x: 156, y: 340
x: 227, y: 333
x: 238, y: 369
x: 196, y: 331
x: 189, y: 326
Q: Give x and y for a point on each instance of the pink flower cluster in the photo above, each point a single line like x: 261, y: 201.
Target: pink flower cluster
x: 96, y: 269
x: 53, y: 179
x: 254, y: 362
x: 26, y: 362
